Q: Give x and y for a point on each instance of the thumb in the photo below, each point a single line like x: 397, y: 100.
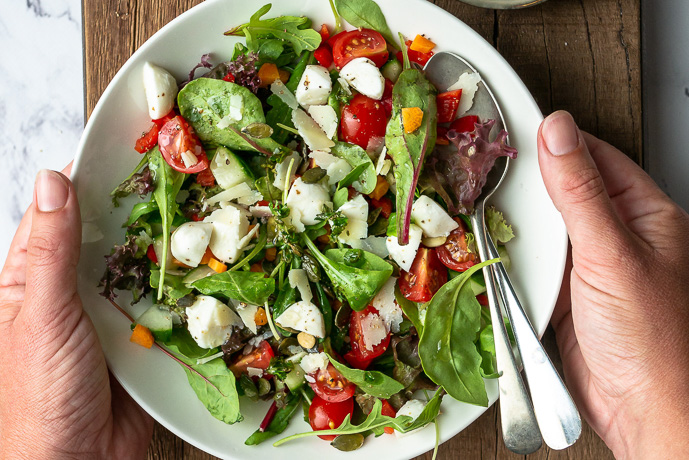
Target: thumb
x: 52, y: 253
x: 575, y: 185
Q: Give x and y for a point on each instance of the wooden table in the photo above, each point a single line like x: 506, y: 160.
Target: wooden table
x: 579, y: 55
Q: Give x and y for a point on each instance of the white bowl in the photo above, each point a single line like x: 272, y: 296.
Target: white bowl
x: 106, y: 156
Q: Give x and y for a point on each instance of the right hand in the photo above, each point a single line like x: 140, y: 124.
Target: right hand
x: 624, y: 333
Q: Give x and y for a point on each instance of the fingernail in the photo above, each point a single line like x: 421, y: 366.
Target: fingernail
x: 51, y: 191
x: 560, y: 133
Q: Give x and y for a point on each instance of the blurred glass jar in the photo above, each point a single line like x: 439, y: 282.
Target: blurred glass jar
x: 503, y: 4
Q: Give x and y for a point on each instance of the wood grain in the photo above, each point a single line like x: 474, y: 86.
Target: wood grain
x: 578, y: 55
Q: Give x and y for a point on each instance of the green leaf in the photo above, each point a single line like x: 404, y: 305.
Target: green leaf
x: 410, y: 309
x: 249, y: 287
x: 371, y: 382
x: 286, y: 28
x: 363, y: 169
x: 408, y: 150
x: 358, y: 285
x: 167, y: 182
x: 430, y: 411
x: 204, y: 102
x: 340, y: 197
x: 447, y: 350
x: 173, y: 288
x: 499, y: 229
x: 139, y: 210
x: 182, y: 341
x: 326, y: 309
x: 367, y: 14
x: 279, y: 423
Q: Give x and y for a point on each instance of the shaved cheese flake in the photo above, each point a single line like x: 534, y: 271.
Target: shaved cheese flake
x: 280, y: 90
x: 298, y: 280
x: 387, y: 306
x: 313, y: 362
x: 232, y: 193
x: 309, y: 130
x: 468, y: 83
x: 373, y: 330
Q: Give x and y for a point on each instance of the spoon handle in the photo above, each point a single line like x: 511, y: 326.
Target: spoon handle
x: 519, y: 427
x: 556, y: 413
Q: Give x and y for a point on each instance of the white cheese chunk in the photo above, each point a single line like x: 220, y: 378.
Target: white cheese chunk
x: 303, y: 316
x: 309, y: 200
x: 189, y: 242
x: 309, y: 130
x: 230, y: 225
x: 210, y: 321
x: 356, y: 211
x: 404, y: 255
x: 387, y: 306
x: 298, y: 280
x: 432, y: 218
x: 373, y: 330
x: 161, y: 90
x: 314, y: 87
x: 363, y: 75
x: 313, y: 362
x: 356, y: 208
x: 336, y: 168
x: 254, y: 371
x: 232, y: 193
x: 247, y: 313
x: 281, y: 170
x: 413, y: 409
x: 325, y: 117
x: 468, y: 83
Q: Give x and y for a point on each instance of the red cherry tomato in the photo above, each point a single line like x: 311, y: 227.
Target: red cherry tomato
x: 151, y: 254
x: 482, y: 299
x: 387, y: 97
x: 149, y: 139
x: 424, y: 278
x: 323, y: 55
x: 206, y: 178
x: 324, y: 415
x: 359, y: 43
x: 414, y: 56
x: 454, y: 254
x: 362, y: 119
x: 447, y: 103
x: 258, y: 358
x: 331, y: 385
x: 229, y: 77
x: 385, y: 205
x: 464, y: 124
x: 388, y: 411
x: 359, y: 356
x: 176, y: 137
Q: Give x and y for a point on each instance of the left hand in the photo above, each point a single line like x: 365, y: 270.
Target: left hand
x: 57, y: 398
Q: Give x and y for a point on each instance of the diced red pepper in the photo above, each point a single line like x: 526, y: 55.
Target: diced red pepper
x: 388, y: 411
x: 441, y: 136
x: 262, y: 203
x: 323, y: 55
x: 385, y: 205
x: 448, y: 102
x: 325, y: 33
x: 196, y: 218
x: 414, y: 56
x: 482, y: 299
x: 229, y: 77
x: 151, y: 254
x: 465, y: 124
x: 149, y: 139
x: 205, y: 178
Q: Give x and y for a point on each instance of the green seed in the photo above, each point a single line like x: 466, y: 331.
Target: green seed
x: 348, y: 442
x: 313, y: 175
x: 258, y: 130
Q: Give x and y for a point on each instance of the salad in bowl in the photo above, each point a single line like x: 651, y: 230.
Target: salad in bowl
x: 302, y: 230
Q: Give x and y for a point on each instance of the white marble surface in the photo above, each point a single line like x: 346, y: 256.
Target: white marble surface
x: 41, y: 98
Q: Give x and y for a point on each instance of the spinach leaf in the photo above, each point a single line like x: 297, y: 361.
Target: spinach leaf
x: 340, y: 197
x: 249, y: 287
x: 205, y: 103
x: 173, y: 288
x: 358, y: 285
x: 279, y: 422
x: 326, y: 309
x: 167, y: 182
x: 139, y: 210
x: 362, y: 166
x: 447, y: 350
x: 365, y: 13
x: 184, y: 343
x: 372, y: 382
x: 410, y: 309
x: 281, y: 112
x: 408, y: 150
x: 294, y: 30
x: 214, y: 385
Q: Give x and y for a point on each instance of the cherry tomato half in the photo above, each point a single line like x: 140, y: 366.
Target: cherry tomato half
x: 362, y: 119
x: 324, y: 415
x: 360, y: 356
x: 454, y: 254
x: 388, y: 411
x: 176, y: 137
x: 465, y: 124
x: 206, y: 178
x: 424, y: 278
x: 331, y: 385
x: 258, y: 358
x: 359, y: 43
x: 149, y: 139
x: 385, y: 205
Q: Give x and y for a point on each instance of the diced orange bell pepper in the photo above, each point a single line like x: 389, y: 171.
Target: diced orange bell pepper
x: 381, y: 189
x: 207, y: 256
x: 411, y: 118
x: 142, y: 336
x: 422, y: 44
x: 271, y: 254
x: 260, y: 317
x: 256, y: 268
x: 268, y: 73
x: 284, y: 75
x: 217, y: 266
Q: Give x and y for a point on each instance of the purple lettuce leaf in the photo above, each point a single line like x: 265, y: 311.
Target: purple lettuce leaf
x: 204, y: 63
x: 459, y: 175
x: 127, y: 268
x: 139, y: 183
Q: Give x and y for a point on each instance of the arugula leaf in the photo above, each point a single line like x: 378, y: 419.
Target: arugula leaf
x: 139, y: 210
x: 358, y: 285
x: 167, y: 182
x: 279, y: 423
x: 447, y: 350
x: 326, y: 309
x: 430, y: 411
x: 372, y: 382
x: 249, y: 287
x: 408, y: 150
x: 290, y: 29
x: 365, y: 13
x: 205, y: 103
x: 363, y: 169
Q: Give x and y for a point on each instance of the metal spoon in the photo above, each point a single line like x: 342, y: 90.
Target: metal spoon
x: 555, y: 412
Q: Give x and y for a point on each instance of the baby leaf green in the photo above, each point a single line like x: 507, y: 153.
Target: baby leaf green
x: 279, y: 422
x: 249, y: 287
x: 365, y: 13
x: 371, y: 382
x: 363, y: 169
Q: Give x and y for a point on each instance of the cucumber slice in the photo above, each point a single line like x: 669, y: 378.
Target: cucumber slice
x: 158, y: 320
x: 392, y: 70
x: 229, y: 169
x: 197, y: 273
x: 295, y: 379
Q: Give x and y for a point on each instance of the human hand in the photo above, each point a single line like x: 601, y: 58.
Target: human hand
x: 57, y: 399
x: 623, y: 333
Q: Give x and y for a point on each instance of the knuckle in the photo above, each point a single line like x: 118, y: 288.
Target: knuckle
x: 583, y: 185
x: 44, y: 248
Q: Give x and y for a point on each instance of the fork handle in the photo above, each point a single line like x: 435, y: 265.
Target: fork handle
x: 558, y: 417
x: 519, y: 427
